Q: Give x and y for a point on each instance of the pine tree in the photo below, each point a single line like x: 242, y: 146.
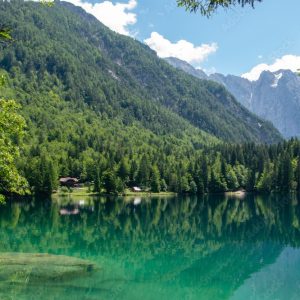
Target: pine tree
x: 41, y: 175
x: 200, y: 187
x: 173, y: 182
x: 265, y: 181
x: 298, y: 175
x: 286, y: 172
x: 232, y: 181
x: 155, y: 180
x: 216, y: 185
x: 133, y: 172
x: 205, y: 174
x: 51, y: 178
x: 143, y: 176
x: 164, y: 186
x: 45, y: 175
x: 251, y: 181
x: 110, y: 182
x: 124, y: 170
x: 184, y: 186
x: 97, y: 182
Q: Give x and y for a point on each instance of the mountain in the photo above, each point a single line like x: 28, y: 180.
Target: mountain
x: 119, y: 77
x: 186, y: 67
x: 275, y: 96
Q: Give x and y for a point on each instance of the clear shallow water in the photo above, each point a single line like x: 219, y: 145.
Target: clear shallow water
x: 161, y: 248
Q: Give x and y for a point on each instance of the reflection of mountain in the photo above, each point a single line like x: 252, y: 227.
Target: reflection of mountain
x: 223, y: 271
x: 206, y: 248
x: 277, y: 281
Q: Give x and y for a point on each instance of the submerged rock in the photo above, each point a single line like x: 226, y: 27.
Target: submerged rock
x: 36, y: 267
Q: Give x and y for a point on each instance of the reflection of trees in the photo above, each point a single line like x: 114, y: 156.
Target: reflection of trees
x: 208, y: 234
x: 155, y: 225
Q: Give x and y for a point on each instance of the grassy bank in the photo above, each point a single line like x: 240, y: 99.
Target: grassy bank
x: 147, y: 194
x: 80, y: 192
x: 85, y: 191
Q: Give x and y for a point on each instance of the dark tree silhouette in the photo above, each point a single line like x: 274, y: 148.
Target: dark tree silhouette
x: 207, y: 7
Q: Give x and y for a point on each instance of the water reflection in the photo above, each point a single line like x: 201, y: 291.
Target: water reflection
x: 181, y: 248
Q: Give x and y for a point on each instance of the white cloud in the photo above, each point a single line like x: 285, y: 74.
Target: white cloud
x: 286, y: 62
x: 115, y: 16
x: 183, y: 50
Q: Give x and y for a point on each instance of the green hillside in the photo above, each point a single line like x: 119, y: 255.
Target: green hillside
x: 103, y: 107
x: 64, y: 49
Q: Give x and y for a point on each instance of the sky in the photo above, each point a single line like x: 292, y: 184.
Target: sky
x: 238, y: 41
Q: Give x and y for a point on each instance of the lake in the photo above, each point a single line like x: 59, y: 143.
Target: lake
x: 214, y: 247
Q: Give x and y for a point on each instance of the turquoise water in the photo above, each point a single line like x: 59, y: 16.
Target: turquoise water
x: 214, y: 247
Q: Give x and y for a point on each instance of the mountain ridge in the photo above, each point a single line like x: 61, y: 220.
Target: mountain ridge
x: 275, y: 96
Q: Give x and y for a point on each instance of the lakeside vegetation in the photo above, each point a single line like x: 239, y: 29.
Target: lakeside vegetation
x: 212, y: 169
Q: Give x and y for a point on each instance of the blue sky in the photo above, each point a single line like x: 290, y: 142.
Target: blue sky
x: 230, y: 42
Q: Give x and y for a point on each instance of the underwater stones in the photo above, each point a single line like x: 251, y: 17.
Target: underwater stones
x: 35, y: 267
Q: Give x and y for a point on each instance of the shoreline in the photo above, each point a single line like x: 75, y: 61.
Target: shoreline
x: 83, y: 192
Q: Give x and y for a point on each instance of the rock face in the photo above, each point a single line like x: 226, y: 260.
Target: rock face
x: 186, y: 67
x: 32, y: 267
x: 238, y: 86
x: 274, y: 96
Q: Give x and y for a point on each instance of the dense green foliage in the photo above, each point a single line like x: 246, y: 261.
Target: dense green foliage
x: 102, y: 107
x: 270, y: 168
x: 11, y: 131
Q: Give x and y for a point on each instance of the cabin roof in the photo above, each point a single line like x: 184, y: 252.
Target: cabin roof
x: 136, y: 188
x: 66, y: 179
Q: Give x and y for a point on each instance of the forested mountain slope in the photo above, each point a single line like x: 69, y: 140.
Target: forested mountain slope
x: 62, y: 48
x: 103, y: 107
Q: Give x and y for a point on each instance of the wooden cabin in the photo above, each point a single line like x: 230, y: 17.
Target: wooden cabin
x: 68, y: 181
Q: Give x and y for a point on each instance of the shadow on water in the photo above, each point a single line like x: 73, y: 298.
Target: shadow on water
x: 179, y: 247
